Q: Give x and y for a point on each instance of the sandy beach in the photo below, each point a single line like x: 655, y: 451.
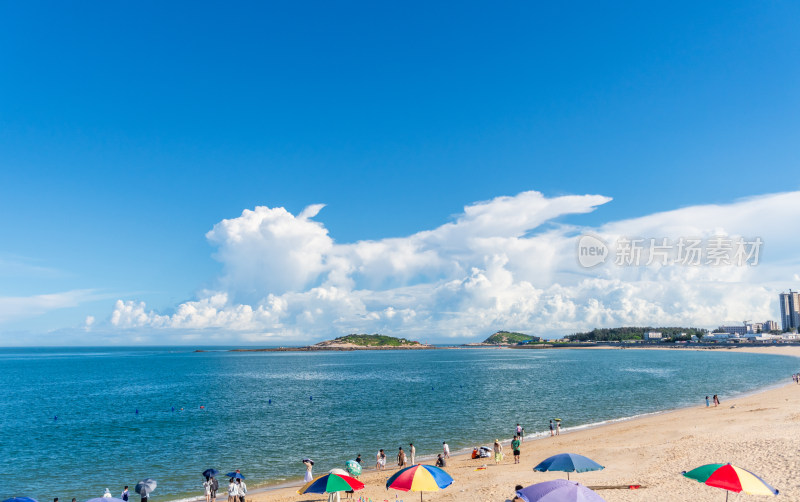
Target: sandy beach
x: 759, y: 432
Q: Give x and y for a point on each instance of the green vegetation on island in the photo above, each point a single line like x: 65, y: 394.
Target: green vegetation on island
x: 669, y: 334
x: 510, y: 337
x: 371, y: 341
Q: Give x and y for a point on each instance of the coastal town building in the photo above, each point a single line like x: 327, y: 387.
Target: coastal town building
x: 790, y: 310
x: 771, y: 326
x: 652, y: 335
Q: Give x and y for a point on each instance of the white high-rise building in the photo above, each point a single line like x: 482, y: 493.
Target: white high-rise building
x: 790, y: 310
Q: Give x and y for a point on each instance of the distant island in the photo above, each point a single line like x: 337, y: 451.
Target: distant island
x: 635, y: 333
x: 364, y: 341
x: 510, y: 338
x: 352, y: 342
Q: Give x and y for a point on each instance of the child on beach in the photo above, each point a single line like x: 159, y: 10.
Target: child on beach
x: 716, y: 400
x: 381, y: 463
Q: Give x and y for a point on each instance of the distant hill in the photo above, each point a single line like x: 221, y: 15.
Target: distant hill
x: 632, y: 333
x: 375, y: 340
x: 509, y: 338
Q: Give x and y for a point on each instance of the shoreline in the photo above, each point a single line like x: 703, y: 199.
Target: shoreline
x: 461, y: 463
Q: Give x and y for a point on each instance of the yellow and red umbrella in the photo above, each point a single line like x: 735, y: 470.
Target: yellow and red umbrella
x: 419, y: 478
x: 731, y: 478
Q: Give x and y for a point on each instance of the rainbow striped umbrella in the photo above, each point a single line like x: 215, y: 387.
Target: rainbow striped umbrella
x: 331, y: 483
x: 731, y: 479
x: 419, y: 478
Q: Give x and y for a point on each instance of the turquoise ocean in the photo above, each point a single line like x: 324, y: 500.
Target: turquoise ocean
x: 262, y: 412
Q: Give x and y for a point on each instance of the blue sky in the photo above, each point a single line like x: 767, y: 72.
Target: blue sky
x: 128, y: 131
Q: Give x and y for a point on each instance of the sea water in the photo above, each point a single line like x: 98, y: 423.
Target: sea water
x: 75, y: 421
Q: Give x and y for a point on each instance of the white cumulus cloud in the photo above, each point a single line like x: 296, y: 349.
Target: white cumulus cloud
x: 502, y: 263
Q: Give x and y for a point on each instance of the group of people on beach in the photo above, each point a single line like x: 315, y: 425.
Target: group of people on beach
x: 406, y: 459
x: 715, y: 400
x: 796, y: 378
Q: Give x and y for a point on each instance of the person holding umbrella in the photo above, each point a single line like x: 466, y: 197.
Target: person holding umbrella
x: 145, y: 487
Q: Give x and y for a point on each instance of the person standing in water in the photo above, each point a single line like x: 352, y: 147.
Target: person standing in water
x: 309, y: 465
x: 380, y: 465
x: 558, y: 427
x: 413, y: 452
x: 551, y: 429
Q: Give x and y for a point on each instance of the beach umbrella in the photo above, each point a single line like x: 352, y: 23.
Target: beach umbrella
x: 210, y: 473
x: 731, y: 479
x: 353, y: 467
x: 20, y: 499
x: 419, y: 478
x: 339, y: 472
x: 146, y: 486
x: 235, y: 475
x: 331, y: 483
x: 558, y: 490
x: 568, y: 462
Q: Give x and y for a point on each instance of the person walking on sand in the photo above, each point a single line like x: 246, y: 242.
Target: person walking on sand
x: 380, y: 465
x: 232, y: 491
x: 309, y: 465
x: 446, y: 449
x: 214, y: 488
x: 551, y: 429
x: 241, y: 488
x: 498, y: 451
x: 716, y: 400
x: 707, y: 403
x: 207, y: 488
x: 413, y: 452
x: 401, y: 458
x: 515, y: 448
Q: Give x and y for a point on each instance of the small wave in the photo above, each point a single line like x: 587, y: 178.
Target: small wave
x: 658, y: 372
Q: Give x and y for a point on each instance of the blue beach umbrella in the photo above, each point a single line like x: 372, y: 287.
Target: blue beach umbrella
x: 20, y: 499
x: 235, y: 475
x: 210, y: 473
x: 568, y: 462
x: 558, y: 490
